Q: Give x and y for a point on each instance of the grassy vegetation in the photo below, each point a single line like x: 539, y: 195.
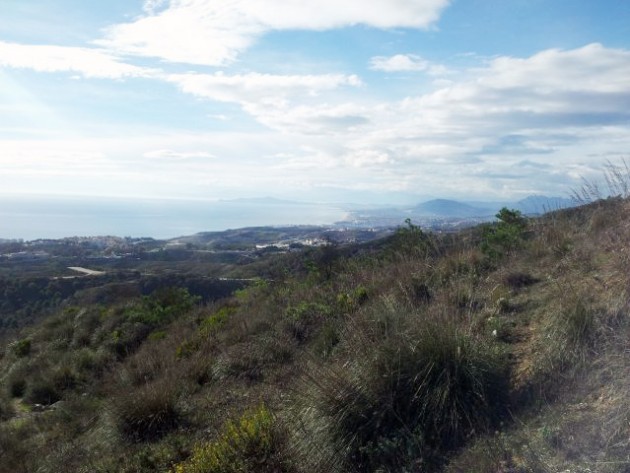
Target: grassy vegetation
x: 501, y: 348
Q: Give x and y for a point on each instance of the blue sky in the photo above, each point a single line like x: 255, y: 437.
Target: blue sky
x: 378, y: 100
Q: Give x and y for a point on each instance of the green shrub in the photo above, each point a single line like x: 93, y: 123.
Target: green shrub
x: 504, y: 236
x: 213, y: 323
x: 252, y: 444
x: 302, y: 320
x: 411, y: 240
x: 352, y: 300
x: 21, y: 348
x: 162, y: 306
x: 157, y: 335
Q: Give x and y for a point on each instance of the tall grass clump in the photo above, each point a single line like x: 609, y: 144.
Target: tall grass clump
x: 616, y: 183
x: 409, y: 398
x: 148, y: 413
x: 573, y: 332
x: 567, y: 343
x: 252, y: 443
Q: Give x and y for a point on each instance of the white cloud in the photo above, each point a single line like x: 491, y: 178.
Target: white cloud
x: 255, y: 87
x: 399, y: 63
x: 280, y: 102
x: 592, y: 68
x: 172, y: 155
x: 468, y: 135
x: 88, y: 62
x: 559, y: 110
x: 214, y: 33
x: 311, y: 119
x: 151, y: 6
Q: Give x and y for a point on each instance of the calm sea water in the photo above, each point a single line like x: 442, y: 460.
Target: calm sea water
x: 32, y: 218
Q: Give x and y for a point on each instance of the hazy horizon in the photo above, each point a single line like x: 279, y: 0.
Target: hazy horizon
x: 31, y: 217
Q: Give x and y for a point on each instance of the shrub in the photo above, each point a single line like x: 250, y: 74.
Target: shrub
x: 410, y: 240
x: 213, y: 323
x: 252, y: 443
x: 498, y: 454
x: 518, y: 280
x: 16, y: 385
x: 13, y: 451
x: 351, y: 300
x: 148, y: 413
x: 415, y: 396
x: 162, y: 306
x: 505, y: 235
x: 6, y: 409
x: 41, y: 391
x: 21, y: 348
x: 302, y: 320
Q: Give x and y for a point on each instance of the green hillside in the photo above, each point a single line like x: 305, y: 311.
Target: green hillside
x: 501, y: 348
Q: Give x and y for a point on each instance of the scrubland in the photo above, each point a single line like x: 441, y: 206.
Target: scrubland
x: 501, y: 348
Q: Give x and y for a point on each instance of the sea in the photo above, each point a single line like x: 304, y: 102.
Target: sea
x: 37, y: 217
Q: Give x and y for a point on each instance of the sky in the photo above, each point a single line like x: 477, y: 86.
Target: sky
x: 332, y: 100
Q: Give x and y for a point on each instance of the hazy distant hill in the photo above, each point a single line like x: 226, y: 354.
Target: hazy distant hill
x: 539, y: 204
x: 451, y: 208
x: 532, y: 205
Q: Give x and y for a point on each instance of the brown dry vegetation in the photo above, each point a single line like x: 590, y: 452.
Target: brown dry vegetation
x: 493, y: 350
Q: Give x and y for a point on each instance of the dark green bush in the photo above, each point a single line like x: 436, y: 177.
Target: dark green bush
x: 41, y: 390
x: 162, y: 306
x: 17, y: 386
x: 506, y: 235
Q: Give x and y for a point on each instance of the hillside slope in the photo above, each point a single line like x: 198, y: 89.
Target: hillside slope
x: 503, y: 348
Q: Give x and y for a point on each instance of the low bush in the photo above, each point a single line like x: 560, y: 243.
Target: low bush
x: 16, y: 383
x: 213, y: 323
x: 301, y: 321
x: 517, y: 280
x: 498, y: 454
x: 252, y: 443
x: 162, y: 306
x: 13, y: 451
x: 6, y: 409
x: 21, y: 348
x: 41, y: 390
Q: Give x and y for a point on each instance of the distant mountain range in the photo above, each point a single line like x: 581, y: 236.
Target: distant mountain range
x: 450, y: 208
x: 448, y: 214
x: 532, y: 205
